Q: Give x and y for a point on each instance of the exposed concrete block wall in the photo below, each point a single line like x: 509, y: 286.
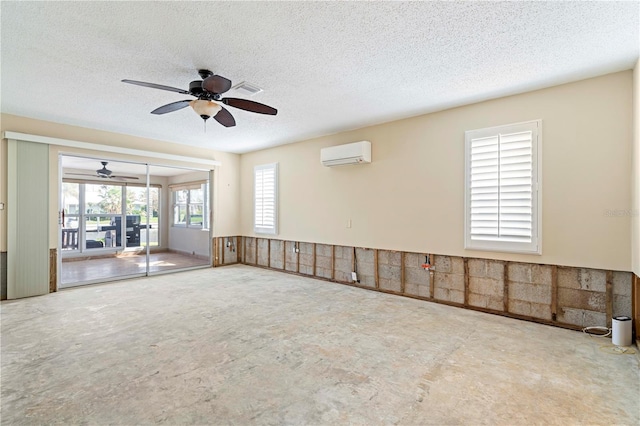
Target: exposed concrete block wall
x: 263, y: 252
x: 550, y: 294
x: 390, y: 270
x: 306, y: 255
x: 365, y: 267
x: 622, y: 282
x: 530, y: 291
x: 449, y: 279
x: 276, y: 254
x: 417, y: 281
x: 486, y: 283
x: 582, y: 296
x: 343, y: 264
x: 324, y: 261
x: 249, y: 251
x: 291, y: 256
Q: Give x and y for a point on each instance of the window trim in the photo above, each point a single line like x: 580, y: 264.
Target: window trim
x: 535, y: 246
x: 262, y: 229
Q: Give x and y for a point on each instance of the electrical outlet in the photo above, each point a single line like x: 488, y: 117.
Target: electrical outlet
x: 349, y: 223
x: 354, y: 276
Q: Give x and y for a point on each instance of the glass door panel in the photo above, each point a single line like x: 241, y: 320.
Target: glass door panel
x: 96, y: 219
x: 147, y: 216
x: 103, y: 208
x: 186, y: 241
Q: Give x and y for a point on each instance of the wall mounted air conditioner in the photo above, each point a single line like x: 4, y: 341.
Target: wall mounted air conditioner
x: 342, y: 155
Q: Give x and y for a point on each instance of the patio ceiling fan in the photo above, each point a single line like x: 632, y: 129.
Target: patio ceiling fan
x: 104, y: 173
x: 208, y: 92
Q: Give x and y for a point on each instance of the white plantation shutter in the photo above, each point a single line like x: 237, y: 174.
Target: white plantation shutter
x: 502, y: 188
x: 265, y: 198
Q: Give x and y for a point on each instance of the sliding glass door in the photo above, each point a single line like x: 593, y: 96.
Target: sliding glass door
x: 128, y: 219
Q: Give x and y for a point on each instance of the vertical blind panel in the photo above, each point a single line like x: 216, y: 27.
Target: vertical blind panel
x: 28, y: 219
x: 501, y: 187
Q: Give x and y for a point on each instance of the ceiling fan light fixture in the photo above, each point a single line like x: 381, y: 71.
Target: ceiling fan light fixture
x: 205, y: 108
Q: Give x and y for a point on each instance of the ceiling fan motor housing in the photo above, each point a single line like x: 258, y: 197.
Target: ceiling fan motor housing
x: 204, y: 73
x: 195, y: 87
x: 103, y: 172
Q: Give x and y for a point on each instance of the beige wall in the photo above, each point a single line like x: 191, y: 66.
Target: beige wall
x: 226, y: 199
x: 635, y: 177
x: 411, y: 196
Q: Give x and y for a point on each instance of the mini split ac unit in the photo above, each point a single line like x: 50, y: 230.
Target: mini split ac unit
x: 342, y: 155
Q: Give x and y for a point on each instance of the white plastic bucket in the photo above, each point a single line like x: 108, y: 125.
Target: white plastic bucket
x: 621, y: 331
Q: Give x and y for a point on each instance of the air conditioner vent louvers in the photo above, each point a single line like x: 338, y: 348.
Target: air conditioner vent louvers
x: 342, y: 155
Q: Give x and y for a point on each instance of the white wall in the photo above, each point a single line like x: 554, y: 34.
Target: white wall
x: 182, y: 239
x: 635, y: 177
x: 412, y: 196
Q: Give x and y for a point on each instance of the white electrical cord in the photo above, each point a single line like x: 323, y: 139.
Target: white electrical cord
x: 608, y: 348
x: 600, y: 331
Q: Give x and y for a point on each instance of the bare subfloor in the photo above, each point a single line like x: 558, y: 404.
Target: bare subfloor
x: 241, y: 345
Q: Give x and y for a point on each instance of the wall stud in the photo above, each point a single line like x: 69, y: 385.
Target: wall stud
x: 401, y: 272
x: 554, y: 293
x: 609, y: 298
x: 505, y: 286
x: 466, y: 281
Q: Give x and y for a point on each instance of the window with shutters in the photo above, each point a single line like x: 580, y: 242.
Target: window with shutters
x: 265, y: 198
x: 502, y: 188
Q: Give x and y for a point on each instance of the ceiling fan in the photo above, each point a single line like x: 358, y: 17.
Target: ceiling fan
x: 208, y: 90
x: 104, y: 173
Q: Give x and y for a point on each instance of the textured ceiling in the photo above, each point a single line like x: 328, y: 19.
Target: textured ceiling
x: 326, y: 66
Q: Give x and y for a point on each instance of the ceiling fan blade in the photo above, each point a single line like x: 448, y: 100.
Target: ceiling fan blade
x: 216, y: 84
x: 225, y: 118
x: 156, y: 86
x: 173, y: 106
x: 248, y: 105
x: 124, y: 177
x: 80, y: 174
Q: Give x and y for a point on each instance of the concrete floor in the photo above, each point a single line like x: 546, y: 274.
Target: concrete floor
x: 241, y: 345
